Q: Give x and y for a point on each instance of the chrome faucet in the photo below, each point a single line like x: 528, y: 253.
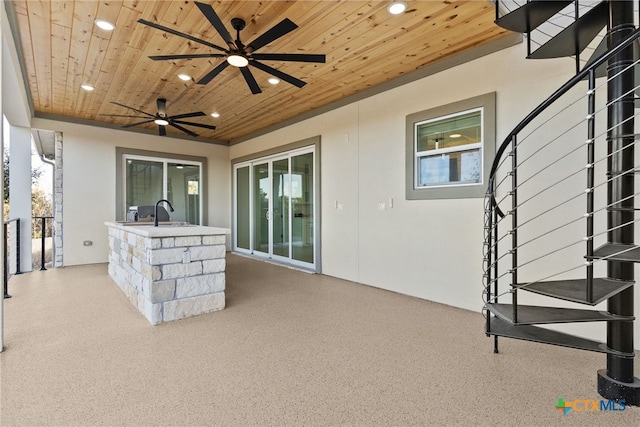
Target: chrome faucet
x: 155, y: 217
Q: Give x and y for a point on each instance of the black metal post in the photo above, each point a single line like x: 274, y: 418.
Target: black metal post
x: 617, y: 382
x: 42, y: 234
x: 18, y: 246
x: 591, y: 126
x: 576, y: 16
x: 514, y: 227
x: 488, y: 242
x: 495, y: 267
x: 5, y: 265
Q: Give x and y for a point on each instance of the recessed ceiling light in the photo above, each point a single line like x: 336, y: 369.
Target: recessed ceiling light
x: 184, y: 77
x: 105, y: 25
x: 273, y: 80
x: 87, y: 87
x: 397, y: 7
x: 215, y: 115
x: 237, y: 60
x: 455, y: 135
x: 161, y: 122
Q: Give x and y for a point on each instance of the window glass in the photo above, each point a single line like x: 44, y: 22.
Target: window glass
x: 449, y: 150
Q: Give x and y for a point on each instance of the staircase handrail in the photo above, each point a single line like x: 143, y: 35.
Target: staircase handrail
x: 550, y: 100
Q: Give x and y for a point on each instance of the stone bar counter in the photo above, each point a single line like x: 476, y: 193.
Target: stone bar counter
x: 171, y: 271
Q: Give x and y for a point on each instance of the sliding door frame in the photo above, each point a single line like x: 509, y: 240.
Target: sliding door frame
x: 289, y: 151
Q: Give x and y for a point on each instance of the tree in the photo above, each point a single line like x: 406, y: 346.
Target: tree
x: 35, y: 175
x: 40, y: 206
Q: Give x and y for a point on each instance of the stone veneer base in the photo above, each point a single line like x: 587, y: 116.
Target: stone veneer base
x: 168, y: 277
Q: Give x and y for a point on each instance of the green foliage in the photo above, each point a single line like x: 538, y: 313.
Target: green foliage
x: 35, y: 176
x: 40, y: 206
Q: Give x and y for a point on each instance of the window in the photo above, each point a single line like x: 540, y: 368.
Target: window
x: 449, y: 149
x: 145, y: 177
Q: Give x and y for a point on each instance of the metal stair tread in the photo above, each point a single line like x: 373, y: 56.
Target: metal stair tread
x: 630, y: 253
x: 501, y: 328
x: 575, y: 289
x: 576, y: 37
x: 530, y: 15
x: 539, y: 315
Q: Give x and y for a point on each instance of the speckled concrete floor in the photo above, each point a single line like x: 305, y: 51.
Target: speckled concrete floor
x: 291, y: 348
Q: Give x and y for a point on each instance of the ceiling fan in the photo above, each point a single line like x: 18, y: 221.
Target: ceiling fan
x: 238, y: 54
x: 162, y: 120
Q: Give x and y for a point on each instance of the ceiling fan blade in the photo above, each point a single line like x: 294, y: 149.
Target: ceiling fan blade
x: 187, y: 131
x: 178, y: 33
x: 294, y: 57
x: 192, y: 56
x: 200, y: 125
x: 162, y: 107
x: 206, y: 79
x: 134, y: 109
x: 137, y: 123
x: 184, y: 116
x: 161, y: 130
x: 212, y: 16
x: 279, y: 74
x: 251, y: 81
x: 123, y: 115
x: 280, y: 29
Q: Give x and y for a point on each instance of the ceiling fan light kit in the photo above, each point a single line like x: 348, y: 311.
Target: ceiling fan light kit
x: 237, y: 61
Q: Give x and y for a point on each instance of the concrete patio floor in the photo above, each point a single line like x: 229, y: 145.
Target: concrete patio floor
x: 291, y: 348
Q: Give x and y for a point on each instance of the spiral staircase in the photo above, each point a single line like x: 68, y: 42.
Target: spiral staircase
x: 559, y: 207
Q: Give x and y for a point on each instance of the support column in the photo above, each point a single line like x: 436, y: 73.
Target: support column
x: 58, y: 260
x: 617, y: 382
x: 20, y: 189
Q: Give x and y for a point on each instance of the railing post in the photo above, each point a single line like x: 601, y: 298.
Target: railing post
x: 42, y: 235
x: 591, y: 126
x: 577, y: 15
x: 18, y: 246
x: 514, y: 227
x: 488, y: 247
x: 495, y: 266
x: 5, y: 254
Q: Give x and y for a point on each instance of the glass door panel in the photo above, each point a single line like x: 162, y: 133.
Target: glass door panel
x: 281, y: 197
x: 243, y: 209
x: 302, y: 206
x: 183, y: 191
x: 143, y: 182
x: 261, y: 214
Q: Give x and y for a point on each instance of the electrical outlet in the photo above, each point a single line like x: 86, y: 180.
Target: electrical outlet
x: 186, y: 257
x: 382, y: 207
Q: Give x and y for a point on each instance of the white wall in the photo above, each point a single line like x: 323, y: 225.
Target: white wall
x: 431, y: 249
x: 89, y: 177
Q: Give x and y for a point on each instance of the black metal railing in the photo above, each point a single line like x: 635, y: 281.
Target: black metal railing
x: 6, y: 251
x: 40, y: 227
x: 502, y: 260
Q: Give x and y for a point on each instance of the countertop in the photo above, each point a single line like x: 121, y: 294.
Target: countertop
x: 167, y: 229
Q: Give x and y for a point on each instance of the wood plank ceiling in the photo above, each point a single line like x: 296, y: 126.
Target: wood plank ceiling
x: 364, y: 46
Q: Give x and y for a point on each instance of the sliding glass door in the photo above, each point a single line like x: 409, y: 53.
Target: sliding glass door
x: 275, y: 208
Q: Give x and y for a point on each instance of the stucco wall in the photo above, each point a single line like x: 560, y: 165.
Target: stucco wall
x: 431, y: 249
x: 89, y: 155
